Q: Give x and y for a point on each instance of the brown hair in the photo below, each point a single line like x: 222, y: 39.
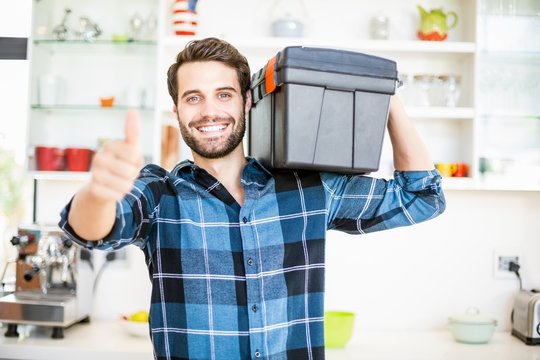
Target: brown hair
x: 210, y: 49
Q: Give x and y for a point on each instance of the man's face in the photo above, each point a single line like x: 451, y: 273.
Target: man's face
x: 210, y: 108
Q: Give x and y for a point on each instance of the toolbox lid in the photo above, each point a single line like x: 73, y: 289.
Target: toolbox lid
x: 322, y: 60
x: 334, y: 60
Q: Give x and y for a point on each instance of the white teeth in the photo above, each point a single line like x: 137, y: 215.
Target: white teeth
x: 212, y: 128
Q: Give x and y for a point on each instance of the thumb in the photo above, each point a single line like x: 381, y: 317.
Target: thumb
x: 132, y: 127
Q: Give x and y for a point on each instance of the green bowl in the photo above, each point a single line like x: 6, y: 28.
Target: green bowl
x: 338, y: 328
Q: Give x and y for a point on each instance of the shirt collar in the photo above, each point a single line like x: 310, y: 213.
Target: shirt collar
x: 253, y: 170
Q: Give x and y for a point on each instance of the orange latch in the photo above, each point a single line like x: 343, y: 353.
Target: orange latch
x: 269, y: 75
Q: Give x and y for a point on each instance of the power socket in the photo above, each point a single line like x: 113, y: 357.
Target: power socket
x: 501, y: 264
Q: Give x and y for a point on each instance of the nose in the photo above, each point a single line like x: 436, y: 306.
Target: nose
x: 209, y: 108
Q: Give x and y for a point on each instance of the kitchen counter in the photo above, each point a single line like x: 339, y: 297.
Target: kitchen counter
x: 108, y: 341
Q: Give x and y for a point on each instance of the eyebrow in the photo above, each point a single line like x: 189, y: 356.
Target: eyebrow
x: 196, y: 91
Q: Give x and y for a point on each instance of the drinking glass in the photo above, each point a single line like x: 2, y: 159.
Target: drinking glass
x: 451, y: 84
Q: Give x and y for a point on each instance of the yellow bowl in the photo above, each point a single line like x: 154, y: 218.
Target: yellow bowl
x: 338, y: 328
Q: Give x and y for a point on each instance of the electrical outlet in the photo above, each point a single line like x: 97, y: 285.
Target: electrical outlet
x: 504, y: 262
x: 501, y: 264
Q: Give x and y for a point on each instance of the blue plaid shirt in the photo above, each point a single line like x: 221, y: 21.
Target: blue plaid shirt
x: 247, y: 282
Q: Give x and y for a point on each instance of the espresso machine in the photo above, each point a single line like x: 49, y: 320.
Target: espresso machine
x: 53, y: 282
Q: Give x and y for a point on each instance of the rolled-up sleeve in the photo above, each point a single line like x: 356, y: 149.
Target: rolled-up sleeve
x: 362, y: 204
x: 134, y: 215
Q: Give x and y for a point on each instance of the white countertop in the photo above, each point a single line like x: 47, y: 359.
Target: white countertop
x: 431, y: 345
x: 95, y: 340
x: 108, y: 341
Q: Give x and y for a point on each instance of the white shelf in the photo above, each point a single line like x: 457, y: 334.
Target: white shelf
x: 456, y: 183
x: 508, y: 185
x: 470, y: 184
x: 61, y: 175
x: 413, y: 46
x: 510, y: 114
x: 440, y: 112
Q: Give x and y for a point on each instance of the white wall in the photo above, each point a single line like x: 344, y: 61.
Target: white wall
x: 416, y: 277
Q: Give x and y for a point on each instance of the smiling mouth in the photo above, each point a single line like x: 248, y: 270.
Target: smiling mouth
x: 212, y: 129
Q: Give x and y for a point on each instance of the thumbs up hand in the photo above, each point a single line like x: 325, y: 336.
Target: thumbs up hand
x: 117, y: 164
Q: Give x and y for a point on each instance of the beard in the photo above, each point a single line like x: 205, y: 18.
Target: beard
x: 216, y: 147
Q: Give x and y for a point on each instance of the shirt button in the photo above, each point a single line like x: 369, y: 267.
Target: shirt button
x: 250, y: 261
x: 257, y: 354
x: 244, y: 219
x: 254, y: 308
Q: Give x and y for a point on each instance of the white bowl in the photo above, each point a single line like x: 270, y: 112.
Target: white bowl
x: 135, y: 328
x: 472, y: 328
x: 472, y: 333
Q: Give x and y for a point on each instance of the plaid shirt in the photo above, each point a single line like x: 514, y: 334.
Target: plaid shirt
x: 247, y: 282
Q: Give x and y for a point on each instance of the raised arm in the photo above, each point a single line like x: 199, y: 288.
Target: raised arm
x: 114, y: 169
x: 409, y: 151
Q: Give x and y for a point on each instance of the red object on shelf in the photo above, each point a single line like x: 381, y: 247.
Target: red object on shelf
x: 432, y: 36
x: 49, y: 158
x: 462, y: 170
x: 184, y: 18
x: 78, y: 159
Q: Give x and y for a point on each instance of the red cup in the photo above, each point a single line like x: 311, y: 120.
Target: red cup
x: 78, y: 159
x: 49, y: 158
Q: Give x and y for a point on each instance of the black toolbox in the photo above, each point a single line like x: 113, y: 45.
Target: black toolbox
x: 321, y: 109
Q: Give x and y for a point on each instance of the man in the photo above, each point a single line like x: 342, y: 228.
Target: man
x: 235, y: 252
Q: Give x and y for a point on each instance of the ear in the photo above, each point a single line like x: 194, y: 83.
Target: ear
x: 248, y: 101
x: 174, y: 109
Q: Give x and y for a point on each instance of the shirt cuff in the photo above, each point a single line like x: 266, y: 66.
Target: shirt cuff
x: 105, y: 244
x: 419, y: 180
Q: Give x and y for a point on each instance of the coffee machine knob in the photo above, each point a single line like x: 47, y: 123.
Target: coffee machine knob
x: 29, y: 275
x: 15, y: 240
x: 22, y: 240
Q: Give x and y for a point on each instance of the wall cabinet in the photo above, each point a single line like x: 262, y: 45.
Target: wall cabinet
x: 508, y: 82
x: 467, y: 132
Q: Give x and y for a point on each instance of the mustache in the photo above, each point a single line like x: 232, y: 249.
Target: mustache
x: 210, y: 120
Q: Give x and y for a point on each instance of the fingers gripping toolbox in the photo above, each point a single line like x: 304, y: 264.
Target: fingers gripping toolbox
x: 321, y: 109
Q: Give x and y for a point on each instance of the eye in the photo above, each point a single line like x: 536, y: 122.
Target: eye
x: 193, y: 99
x: 224, y: 96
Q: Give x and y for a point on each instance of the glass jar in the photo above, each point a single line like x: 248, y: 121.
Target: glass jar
x: 437, y: 92
x: 422, y: 85
x: 452, y: 89
x: 380, y: 27
x: 405, y: 89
